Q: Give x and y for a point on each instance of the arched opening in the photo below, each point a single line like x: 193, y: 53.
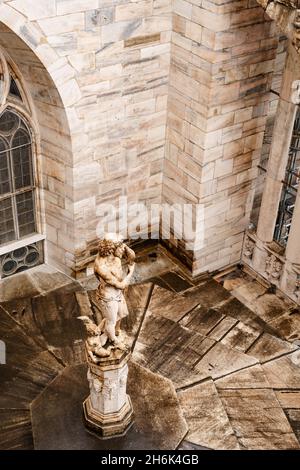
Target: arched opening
x: 17, y: 182
x: 36, y: 177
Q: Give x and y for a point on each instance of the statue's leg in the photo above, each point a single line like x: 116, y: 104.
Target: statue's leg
x: 110, y: 312
x: 122, y: 313
x: 98, y: 313
x: 118, y: 328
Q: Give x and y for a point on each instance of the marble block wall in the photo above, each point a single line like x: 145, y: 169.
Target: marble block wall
x: 53, y: 150
x: 108, y: 63
x: 157, y: 100
x: 222, y: 62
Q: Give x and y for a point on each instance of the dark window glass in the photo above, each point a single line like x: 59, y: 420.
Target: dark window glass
x: 25, y: 213
x: 8, y: 122
x: 290, y: 187
x: 7, y: 230
x: 14, y: 90
x: 21, y: 155
x: 4, y: 169
x: 17, y: 192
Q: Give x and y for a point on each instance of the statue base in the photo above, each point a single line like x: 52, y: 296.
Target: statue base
x: 108, y: 410
x: 108, y: 425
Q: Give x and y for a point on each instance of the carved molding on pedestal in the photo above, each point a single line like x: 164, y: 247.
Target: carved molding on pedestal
x: 249, y: 246
x: 296, y: 281
x: 108, y: 410
x: 273, y: 268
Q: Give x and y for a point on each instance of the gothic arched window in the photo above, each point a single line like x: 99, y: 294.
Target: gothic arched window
x: 17, y: 211
x: 20, y: 243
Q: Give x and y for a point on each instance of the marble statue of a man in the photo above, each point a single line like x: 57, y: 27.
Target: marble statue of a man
x: 110, y: 294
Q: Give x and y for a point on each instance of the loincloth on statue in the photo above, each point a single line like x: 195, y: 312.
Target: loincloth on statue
x: 112, y: 306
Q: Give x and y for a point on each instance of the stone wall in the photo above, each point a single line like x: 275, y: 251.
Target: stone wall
x: 222, y: 60
x: 156, y: 100
x: 109, y: 62
x: 53, y: 150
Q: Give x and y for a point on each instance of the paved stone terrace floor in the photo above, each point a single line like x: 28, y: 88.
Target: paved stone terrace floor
x: 215, y: 364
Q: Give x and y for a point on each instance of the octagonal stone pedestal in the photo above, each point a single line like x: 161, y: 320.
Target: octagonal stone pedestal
x: 108, y: 410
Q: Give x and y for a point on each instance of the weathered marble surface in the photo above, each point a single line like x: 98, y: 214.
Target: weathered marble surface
x: 282, y: 373
x: 285, y: 14
x: 258, y: 420
x: 209, y: 425
x: 159, y: 421
x: 294, y: 419
x: 15, y: 430
x: 36, y: 281
x: 277, y: 315
x: 289, y: 399
x: 242, y: 379
x: 251, y: 378
x: 268, y: 347
x: 182, y: 355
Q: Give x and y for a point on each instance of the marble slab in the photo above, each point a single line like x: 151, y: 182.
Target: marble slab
x: 57, y: 414
x: 208, y: 422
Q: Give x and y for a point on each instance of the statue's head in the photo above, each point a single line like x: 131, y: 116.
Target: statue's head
x: 109, y: 247
x: 111, y: 244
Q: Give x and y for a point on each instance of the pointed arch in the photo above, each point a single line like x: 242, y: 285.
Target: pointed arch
x: 48, y: 134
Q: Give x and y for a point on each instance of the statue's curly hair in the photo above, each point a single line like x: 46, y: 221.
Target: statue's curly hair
x: 107, y: 247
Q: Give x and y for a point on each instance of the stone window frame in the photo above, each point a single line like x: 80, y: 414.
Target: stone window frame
x: 24, y: 109
x: 284, y: 212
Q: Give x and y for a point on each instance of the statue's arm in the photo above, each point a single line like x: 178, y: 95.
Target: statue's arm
x: 110, y: 278
x: 130, y: 254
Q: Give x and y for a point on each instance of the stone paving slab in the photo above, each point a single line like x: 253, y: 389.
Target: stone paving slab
x: 270, y: 441
x: 166, y: 347
x: 251, y: 377
x: 288, y: 325
x: 270, y: 307
x: 158, y: 415
x: 42, y: 319
x: 269, y: 347
x: 185, y: 445
x: 30, y: 381
x: 289, y: 399
x: 257, y: 419
x: 149, y: 266
x: 170, y: 305
x: 235, y: 309
x: 208, y: 422
x: 241, y: 337
x: 137, y: 298
x: 279, y: 316
x: 283, y: 373
x: 267, y: 306
x: 15, y: 430
x: 57, y: 414
x: 137, y: 295
x: 221, y: 361
x: 181, y: 337
x: 201, y: 319
x: 248, y: 293
x: 175, y: 281
x: 175, y: 306
x: 35, y: 281
x: 222, y: 328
